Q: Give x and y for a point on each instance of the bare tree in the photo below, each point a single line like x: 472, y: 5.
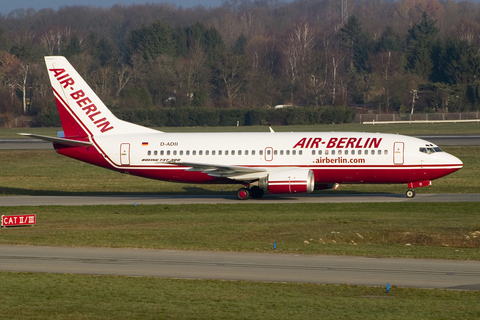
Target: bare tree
x: 52, y: 38
x: 234, y: 75
x: 21, y: 83
x: 297, y: 49
x: 125, y: 72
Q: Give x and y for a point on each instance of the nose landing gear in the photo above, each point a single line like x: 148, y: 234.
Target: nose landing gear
x: 410, y: 193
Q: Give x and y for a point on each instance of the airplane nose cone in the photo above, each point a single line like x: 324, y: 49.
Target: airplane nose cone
x: 455, y: 161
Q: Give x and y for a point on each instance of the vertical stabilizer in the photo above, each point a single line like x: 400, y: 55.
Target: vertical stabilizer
x: 81, y: 111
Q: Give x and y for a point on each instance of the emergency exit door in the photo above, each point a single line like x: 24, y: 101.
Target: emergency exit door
x: 125, y: 154
x: 398, y: 153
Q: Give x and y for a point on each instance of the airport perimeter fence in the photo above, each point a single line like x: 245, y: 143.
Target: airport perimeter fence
x: 392, y: 117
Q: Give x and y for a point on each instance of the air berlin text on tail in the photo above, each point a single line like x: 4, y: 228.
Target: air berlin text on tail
x: 86, y: 104
x: 18, y: 220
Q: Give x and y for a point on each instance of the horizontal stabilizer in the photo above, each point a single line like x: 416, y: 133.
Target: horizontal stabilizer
x: 67, y: 142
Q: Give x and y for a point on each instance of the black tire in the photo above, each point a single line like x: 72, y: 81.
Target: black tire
x: 256, y: 192
x: 243, y: 194
x: 410, y: 193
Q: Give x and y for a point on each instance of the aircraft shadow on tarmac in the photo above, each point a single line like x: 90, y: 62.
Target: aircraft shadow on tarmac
x: 190, y: 192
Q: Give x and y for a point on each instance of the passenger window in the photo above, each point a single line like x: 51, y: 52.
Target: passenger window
x: 246, y: 152
x: 155, y: 152
x: 219, y: 152
x: 187, y: 152
x: 288, y: 152
x: 339, y: 152
x: 346, y: 152
x: 379, y: 152
x: 213, y: 152
x: 226, y: 152
x: 174, y: 152
x: 385, y: 152
x: 269, y: 152
x: 319, y: 152
x: 168, y: 152
x: 149, y: 152
x: 294, y: 152
x: 313, y: 152
x: 181, y: 152
x: 326, y: 152
x: 333, y: 152
x: 300, y: 152
x: 194, y: 152
x: 207, y: 152
x: 281, y: 152
x: 239, y: 152
x: 253, y: 152
x: 162, y: 152
x: 372, y: 152
x: 275, y: 152
x: 233, y: 152
x: 200, y: 152
x: 365, y: 152
x: 260, y: 152
x: 353, y: 151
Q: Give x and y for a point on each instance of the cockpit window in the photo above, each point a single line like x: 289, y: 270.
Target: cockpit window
x: 429, y: 149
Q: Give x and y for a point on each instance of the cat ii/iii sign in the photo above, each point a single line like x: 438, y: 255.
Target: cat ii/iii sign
x: 18, y: 220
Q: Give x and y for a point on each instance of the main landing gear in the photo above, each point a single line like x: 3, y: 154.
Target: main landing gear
x: 410, y: 193
x: 254, y: 192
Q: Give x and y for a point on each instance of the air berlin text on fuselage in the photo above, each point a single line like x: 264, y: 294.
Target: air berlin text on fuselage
x: 339, y: 143
x: 85, y: 103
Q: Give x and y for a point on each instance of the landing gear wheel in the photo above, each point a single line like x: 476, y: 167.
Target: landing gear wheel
x: 243, y: 194
x: 410, y: 193
x: 256, y: 192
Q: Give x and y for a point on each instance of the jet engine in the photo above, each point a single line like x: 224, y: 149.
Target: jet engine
x: 289, y: 181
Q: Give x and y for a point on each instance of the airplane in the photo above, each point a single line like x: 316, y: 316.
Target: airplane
x: 273, y: 162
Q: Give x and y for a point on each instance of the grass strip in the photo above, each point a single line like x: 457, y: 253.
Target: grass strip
x: 44, y: 172
x: 53, y: 296
x: 416, y: 230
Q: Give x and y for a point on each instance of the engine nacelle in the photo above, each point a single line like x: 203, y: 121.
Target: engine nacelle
x: 289, y: 181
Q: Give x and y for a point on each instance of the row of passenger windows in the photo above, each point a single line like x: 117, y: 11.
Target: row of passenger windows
x: 268, y: 152
x: 213, y: 152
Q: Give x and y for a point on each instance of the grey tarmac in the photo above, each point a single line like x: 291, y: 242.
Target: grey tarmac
x: 270, y: 267
x: 12, y: 201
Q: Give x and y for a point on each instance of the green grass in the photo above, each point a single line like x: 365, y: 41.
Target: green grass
x: 409, y: 129
x: 51, y: 296
x: 417, y: 230
x: 44, y: 172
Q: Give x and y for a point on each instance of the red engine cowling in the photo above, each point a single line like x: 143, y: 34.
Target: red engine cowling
x: 289, y: 181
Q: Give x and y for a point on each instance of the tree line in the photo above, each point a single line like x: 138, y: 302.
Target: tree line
x: 157, y: 63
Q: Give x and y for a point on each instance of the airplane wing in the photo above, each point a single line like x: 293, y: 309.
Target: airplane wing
x: 67, y: 142
x: 216, y: 170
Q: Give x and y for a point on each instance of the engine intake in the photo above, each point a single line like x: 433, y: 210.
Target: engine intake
x: 289, y: 181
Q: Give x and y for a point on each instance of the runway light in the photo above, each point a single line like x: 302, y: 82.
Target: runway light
x: 388, y: 287
x: 274, y: 246
x: 135, y: 204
